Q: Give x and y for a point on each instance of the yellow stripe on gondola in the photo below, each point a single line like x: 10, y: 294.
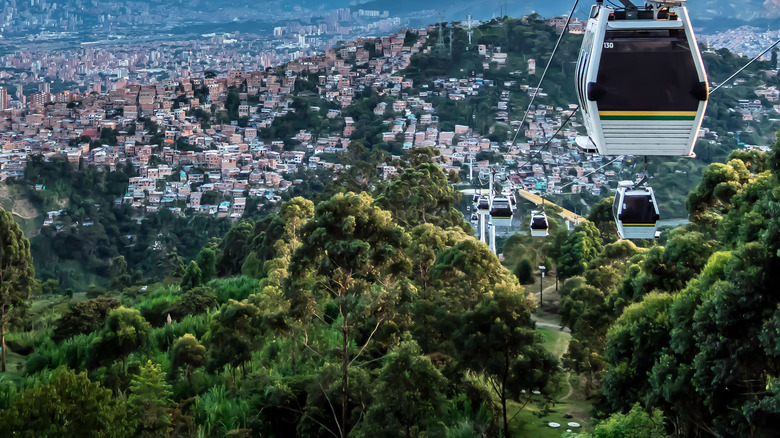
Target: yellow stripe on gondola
x: 649, y: 113
x: 638, y: 225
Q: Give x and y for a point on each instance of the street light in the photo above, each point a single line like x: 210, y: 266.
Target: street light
x: 541, y: 286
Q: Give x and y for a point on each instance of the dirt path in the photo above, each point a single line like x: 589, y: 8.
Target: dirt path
x: 552, y: 321
x: 24, y: 209
x: 571, y: 388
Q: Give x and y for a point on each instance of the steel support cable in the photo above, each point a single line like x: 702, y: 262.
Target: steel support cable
x: 538, y: 152
x: 544, y: 73
x: 585, y: 176
x: 755, y: 58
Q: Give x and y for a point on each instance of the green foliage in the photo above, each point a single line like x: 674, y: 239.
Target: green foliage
x: 193, y: 276
x: 188, y: 353
x: 235, y: 247
x: 207, y: 262
x: 84, y: 317
x: 163, y: 338
x: 705, y: 355
x: 125, y: 331
x: 497, y: 340
x: 581, y: 246
x: 601, y: 216
x: 410, y: 394
x: 193, y: 302
x: 67, y: 405
x: 232, y: 334
x: 236, y: 288
x: 524, y: 272
x: 79, y: 255
x: 218, y: 412
x: 420, y: 195
x: 16, y: 274
x: 357, y: 254
x: 149, y: 402
x: 634, y: 343
x: 636, y: 424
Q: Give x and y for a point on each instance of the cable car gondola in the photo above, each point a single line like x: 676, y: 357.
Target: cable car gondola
x: 475, y: 202
x: 501, y: 212
x: 635, y: 211
x: 483, y: 205
x: 641, y: 81
x: 474, y: 219
x: 539, y: 224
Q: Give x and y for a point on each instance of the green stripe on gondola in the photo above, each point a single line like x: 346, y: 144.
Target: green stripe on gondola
x: 687, y: 118
x: 647, y: 115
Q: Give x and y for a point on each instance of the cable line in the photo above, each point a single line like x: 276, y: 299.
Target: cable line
x: 539, y: 151
x: 585, y: 176
x: 746, y: 66
x: 549, y: 62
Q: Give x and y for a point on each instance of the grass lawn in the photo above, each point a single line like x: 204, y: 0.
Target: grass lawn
x: 534, y: 419
x: 555, y: 341
x: 14, y: 366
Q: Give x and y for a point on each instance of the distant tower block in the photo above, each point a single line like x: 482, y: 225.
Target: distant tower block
x: 450, y: 43
x: 531, y: 66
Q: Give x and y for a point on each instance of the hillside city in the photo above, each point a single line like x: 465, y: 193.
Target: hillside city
x: 231, y: 159
x: 243, y: 221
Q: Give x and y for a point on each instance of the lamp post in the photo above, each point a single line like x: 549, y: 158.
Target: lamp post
x: 541, y: 285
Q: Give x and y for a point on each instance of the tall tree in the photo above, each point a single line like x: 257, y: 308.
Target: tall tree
x: 232, y: 333
x: 581, y: 246
x: 16, y: 274
x: 84, y: 317
x: 410, y: 393
x: 497, y: 339
x: 524, y: 272
x: 207, y: 262
x: 150, y: 401
x: 188, y: 353
x: 235, y: 247
x: 124, y: 332
x: 296, y: 212
x: 193, y: 276
x: 420, y: 195
x: 356, y: 253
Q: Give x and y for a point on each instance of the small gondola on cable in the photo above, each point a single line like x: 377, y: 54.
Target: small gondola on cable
x: 635, y: 211
x: 483, y: 205
x: 640, y: 80
x: 501, y: 212
x: 539, y: 224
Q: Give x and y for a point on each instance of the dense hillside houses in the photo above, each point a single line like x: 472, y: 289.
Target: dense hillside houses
x: 162, y: 128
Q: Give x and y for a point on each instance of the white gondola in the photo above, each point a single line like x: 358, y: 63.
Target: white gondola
x: 635, y: 212
x: 501, y: 212
x: 641, y: 81
x: 483, y: 205
x: 475, y: 202
x: 539, y: 224
x: 474, y: 219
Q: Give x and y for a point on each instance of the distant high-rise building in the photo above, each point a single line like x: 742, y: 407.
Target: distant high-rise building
x: 3, y: 98
x: 44, y: 87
